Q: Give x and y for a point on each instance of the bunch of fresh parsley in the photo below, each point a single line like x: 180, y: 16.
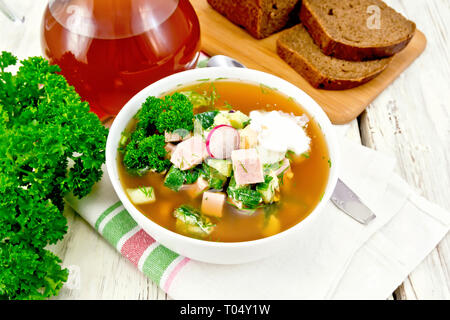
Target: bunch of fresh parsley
x: 50, y: 144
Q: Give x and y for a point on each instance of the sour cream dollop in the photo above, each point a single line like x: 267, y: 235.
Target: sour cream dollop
x: 280, y: 132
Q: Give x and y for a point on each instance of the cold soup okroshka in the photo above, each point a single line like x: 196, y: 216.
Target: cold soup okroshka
x: 224, y: 161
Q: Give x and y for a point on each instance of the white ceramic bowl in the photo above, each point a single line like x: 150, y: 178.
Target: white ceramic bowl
x: 207, y: 251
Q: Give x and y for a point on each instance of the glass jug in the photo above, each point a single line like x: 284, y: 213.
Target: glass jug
x: 111, y: 49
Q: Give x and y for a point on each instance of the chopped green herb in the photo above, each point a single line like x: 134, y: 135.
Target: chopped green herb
x: 243, y: 196
x: 147, y: 191
x: 266, y: 89
x: 192, y: 217
x: 214, y: 96
x: 141, y: 195
x: 290, y: 154
x: 174, y: 178
x: 215, y: 179
x: 246, y: 123
x: 321, y: 196
x: 206, y: 118
x: 125, y: 136
x: 191, y: 175
x: 268, y: 168
x: 268, y: 187
x: 243, y: 167
x: 227, y: 106
x: 306, y: 155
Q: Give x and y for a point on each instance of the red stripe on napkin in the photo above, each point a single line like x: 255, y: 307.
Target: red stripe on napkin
x: 134, y: 247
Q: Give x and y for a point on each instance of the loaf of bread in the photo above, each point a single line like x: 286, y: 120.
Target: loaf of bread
x: 298, y: 49
x: 260, y: 18
x: 356, y: 30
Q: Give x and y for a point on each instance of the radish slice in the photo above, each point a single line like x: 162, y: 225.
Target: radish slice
x: 221, y: 141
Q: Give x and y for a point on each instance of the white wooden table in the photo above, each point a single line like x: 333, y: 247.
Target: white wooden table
x: 409, y: 120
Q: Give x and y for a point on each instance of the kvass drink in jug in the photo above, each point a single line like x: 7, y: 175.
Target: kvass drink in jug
x: 111, y: 49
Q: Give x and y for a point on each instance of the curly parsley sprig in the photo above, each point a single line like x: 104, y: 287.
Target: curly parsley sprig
x: 45, y: 129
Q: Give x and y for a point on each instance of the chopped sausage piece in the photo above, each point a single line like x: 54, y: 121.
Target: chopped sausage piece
x: 195, y: 189
x: 189, y: 153
x: 285, y: 165
x: 247, y: 166
x: 212, y: 203
x: 176, y: 136
x: 169, y: 147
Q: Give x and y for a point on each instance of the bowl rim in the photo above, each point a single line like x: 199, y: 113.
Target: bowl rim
x: 188, y: 77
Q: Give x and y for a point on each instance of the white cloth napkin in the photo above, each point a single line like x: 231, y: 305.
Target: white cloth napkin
x: 335, y: 257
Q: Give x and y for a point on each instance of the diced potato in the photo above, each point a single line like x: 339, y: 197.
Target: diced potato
x: 212, y: 203
x: 248, y: 137
x: 273, y: 226
x: 141, y: 195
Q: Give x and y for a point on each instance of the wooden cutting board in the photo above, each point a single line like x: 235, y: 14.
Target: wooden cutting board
x: 220, y: 36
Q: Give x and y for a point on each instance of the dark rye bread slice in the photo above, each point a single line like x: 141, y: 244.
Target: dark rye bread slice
x: 260, y: 18
x: 297, y: 48
x: 347, y: 29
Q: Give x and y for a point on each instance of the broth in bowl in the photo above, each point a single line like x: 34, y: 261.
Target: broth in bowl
x: 225, y: 161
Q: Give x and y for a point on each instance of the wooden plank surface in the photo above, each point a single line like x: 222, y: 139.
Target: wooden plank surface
x: 409, y: 120
x: 220, y: 36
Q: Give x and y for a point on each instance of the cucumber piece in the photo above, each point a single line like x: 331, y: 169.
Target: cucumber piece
x: 238, y: 119
x: 215, y: 179
x: 223, y: 166
x: 191, y: 220
x: 243, y: 196
x: 221, y: 118
x: 268, y: 188
x: 141, y: 195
